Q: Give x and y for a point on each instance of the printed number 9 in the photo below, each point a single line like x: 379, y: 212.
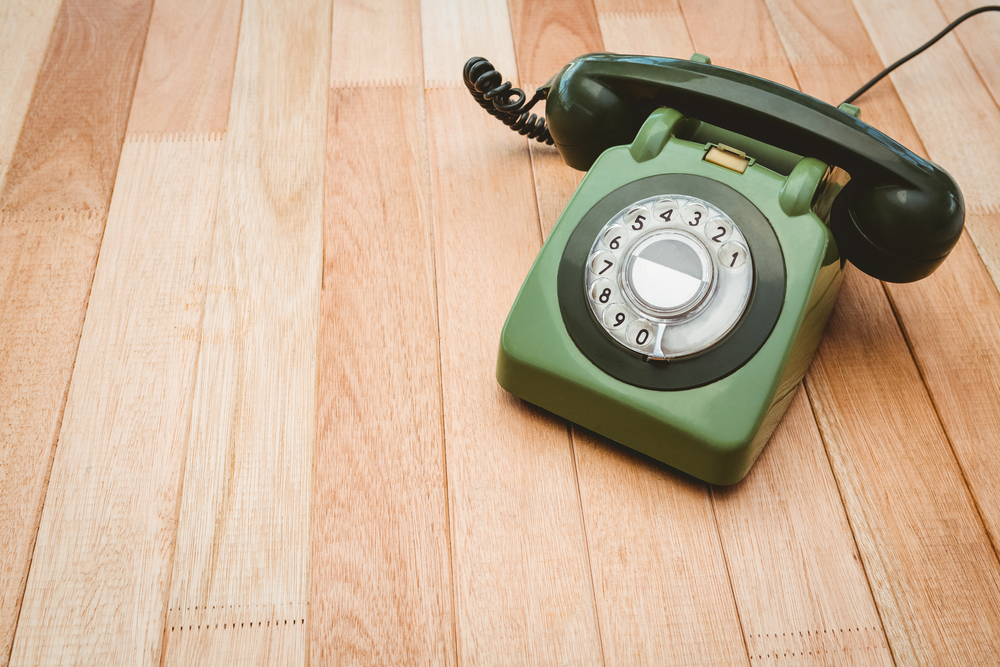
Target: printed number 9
x: 619, y: 319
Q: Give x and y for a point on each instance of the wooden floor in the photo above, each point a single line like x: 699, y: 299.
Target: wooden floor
x: 254, y: 261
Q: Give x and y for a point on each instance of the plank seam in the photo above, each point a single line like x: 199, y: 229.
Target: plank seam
x: 52, y: 213
x: 432, y: 245
x: 944, y: 427
x: 586, y: 537
x: 407, y: 82
x: 710, y: 488
x: 144, y: 136
x: 968, y: 56
x: 850, y: 520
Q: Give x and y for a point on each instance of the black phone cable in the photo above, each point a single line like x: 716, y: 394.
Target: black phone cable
x: 951, y: 26
x: 503, y: 101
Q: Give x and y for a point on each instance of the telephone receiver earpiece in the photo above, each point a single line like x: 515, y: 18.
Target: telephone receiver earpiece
x: 897, y: 219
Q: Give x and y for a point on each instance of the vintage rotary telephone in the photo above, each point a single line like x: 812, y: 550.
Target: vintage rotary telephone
x: 680, y: 298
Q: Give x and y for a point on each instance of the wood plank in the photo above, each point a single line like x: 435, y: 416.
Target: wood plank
x: 99, y: 580
x: 663, y: 593
x: 547, y: 35
x: 65, y: 160
x: 932, y: 568
x: 25, y: 28
x: 52, y: 213
x: 740, y: 36
x: 454, y: 31
x: 187, y: 89
x: 644, y: 27
x: 950, y: 322
x: 119, y: 461
x: 239, y: 590
x: 381, y: 580
x: 522, y: 585
x: 377, y: 43
x: 798, y: 579
x: 978, y: 37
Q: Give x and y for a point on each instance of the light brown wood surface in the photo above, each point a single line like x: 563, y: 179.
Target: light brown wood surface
x: 254, y: 262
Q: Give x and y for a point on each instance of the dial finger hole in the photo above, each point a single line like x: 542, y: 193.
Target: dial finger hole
x: 637, y: 219
x: 641, y: 335
x: 665, y: 212
x: 695, y: 215
x: 718, y: 230
x: 616, y: 238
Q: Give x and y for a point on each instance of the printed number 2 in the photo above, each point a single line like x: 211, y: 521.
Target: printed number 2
x: 722, y: 232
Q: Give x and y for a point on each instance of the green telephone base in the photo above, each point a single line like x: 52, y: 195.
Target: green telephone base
x: 714, y: 431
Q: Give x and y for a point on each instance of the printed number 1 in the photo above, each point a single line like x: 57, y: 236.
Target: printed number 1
x: 732, y: 263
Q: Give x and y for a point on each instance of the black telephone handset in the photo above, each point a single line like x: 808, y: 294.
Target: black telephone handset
x: 681, y: 296
x: 896, y: 220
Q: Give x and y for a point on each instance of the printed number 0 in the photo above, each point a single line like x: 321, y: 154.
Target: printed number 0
x: 642, y: 337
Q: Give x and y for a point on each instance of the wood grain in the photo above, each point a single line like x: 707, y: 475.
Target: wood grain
x: 98, y: 588
x: 978, y: 37
x: 25, y: 28
x: 119, y: 462
x: 798, y: 579
x: 663, y: 593
x: 381, y: 579
x: 522, y: 585
x: 547, y: 35
x: 455, y: 30
x: 187, y: 89
x: 377, y: 43
x: 644, y: 26
x: 52, y: 213
x: 738, y: 35
x: 239, y: 590
x: 67, y: 154
x: 932, y: 568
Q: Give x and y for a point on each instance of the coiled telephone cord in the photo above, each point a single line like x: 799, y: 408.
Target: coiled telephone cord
x: 503, y: 101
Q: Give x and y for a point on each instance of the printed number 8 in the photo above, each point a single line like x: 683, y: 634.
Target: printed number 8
x: 605, y: 295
